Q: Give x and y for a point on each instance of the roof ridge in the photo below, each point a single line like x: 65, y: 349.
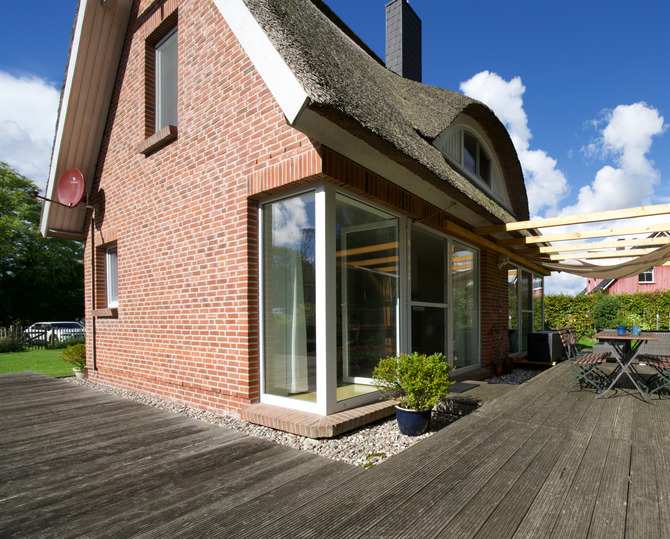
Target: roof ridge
x: 344, y: 28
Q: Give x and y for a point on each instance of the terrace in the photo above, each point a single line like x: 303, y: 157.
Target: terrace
x: 533, y: 462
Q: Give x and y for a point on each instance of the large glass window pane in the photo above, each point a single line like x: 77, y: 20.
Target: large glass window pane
x: 538, y: 304
x: 289, y: 298
x: 429, y: 326
x: 465, y: 304
x: 526, y: 297
x: 367, y: 291
x: 526, y: 291
x: 428, y: 267
x: 513, y: 309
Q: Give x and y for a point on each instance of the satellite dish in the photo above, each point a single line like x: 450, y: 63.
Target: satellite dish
x: 71, y: 187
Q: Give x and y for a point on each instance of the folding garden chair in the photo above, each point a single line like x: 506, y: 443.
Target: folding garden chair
x: 586, y: 366
x: 661, y: 364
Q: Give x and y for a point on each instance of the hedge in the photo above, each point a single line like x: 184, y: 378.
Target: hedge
x: 561, y: 310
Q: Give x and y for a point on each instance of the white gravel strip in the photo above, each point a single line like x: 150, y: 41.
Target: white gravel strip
x: 364, y: 447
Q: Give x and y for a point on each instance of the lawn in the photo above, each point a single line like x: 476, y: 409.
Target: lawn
x: 43, y: 361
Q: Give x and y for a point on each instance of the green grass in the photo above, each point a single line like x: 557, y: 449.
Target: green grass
x: 586, y: 342
x: 43, y: 361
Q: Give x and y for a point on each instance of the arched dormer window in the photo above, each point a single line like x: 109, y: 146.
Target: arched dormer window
x: 475, y: 158
x: 468, y: 150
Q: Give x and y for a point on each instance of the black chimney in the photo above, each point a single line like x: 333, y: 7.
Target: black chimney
x: 403, y: 40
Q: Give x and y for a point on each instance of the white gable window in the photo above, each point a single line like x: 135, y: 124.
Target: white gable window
x: 646, y: 277
x: 166, y: 81
x: 467, y: 148
x: 112, y: 277
x: 475, y: 158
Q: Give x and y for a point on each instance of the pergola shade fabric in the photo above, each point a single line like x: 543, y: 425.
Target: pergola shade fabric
x: 616, y: 271
x: 619, y: 256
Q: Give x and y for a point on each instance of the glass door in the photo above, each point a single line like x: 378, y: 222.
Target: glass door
x: 367, y: 288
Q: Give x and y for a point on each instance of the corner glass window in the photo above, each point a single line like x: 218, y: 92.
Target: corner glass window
x: 289, y: 297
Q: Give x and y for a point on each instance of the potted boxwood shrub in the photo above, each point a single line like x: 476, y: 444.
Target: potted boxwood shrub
x: 75, y: 355
x: 418, y: 382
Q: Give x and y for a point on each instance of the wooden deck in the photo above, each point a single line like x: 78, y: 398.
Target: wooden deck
x: 535, y: 462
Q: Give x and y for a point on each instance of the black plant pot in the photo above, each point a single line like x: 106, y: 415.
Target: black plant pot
x: 412, y: 422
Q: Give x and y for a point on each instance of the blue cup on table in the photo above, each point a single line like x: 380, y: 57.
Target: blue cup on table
x: 621, y: 330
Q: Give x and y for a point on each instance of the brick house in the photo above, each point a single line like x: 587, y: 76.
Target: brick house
x: 271, y: 209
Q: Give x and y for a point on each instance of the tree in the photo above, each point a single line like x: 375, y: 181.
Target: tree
x: 40, y: 278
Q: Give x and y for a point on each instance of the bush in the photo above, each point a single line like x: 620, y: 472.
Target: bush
x: 75, y: 355
x: 10, y: 345
x: 606, y: 310
x: 561, y: 311
x: 417, y: 381
x: 58, y: 345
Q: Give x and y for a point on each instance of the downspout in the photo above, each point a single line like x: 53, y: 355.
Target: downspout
x: 95, y: 367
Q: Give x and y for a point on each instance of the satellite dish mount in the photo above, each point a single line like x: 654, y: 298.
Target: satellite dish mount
x: 70, y: 189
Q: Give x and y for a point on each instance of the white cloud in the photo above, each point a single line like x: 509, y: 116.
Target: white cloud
x: 546, y: 185
x: 289, y: 219
x: 28, y: 110
x: 564, y: 283
x: 627, y: 138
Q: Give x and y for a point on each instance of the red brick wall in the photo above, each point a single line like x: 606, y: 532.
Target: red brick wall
x: 495, y: 342
x: 184, y: 218
x: 187, y: 325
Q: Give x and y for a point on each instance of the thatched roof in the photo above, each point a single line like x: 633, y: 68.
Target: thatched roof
x: 348, y: 84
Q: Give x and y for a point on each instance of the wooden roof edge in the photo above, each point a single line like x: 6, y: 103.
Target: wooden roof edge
x: 609, y: 215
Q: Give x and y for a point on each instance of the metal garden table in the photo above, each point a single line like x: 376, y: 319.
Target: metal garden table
x: 625, y: 350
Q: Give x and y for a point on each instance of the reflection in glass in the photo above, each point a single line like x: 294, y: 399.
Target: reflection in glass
x: 513, y: 307
x: 538, y: 304
x: 428, y: 267
x: 289, y: 298
x: 367, y: 251
x: 465, y: 285
x: 429, y: 325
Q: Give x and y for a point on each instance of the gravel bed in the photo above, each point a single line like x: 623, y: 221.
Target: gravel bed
x: 364, y: 447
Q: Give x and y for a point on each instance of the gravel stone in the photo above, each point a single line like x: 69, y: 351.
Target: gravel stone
x: 365, y: 447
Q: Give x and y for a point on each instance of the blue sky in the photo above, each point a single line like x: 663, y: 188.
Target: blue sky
x: 582, y: 87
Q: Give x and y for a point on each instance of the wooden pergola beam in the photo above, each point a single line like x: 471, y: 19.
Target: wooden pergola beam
x: 612, y: 244
x: 611, y: 215
x: 572, y: 236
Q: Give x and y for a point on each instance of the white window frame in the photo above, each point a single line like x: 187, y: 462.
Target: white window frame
x: 112, y: 277
x: 163, y: 94
x: 641, y: 278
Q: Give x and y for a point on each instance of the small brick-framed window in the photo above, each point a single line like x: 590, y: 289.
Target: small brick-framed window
x: 646, y: 277
x: 111, y: 277
x: 106, y: 288
x: 161, y: 83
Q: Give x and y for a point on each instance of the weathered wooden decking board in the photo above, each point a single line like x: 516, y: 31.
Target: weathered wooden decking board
x: 534, y: 462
